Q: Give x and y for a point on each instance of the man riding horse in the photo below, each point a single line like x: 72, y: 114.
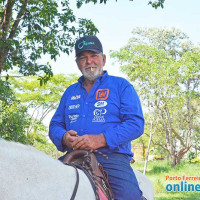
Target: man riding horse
x: 100, y: 112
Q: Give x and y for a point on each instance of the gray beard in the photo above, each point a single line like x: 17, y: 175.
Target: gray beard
x: 92, y: 75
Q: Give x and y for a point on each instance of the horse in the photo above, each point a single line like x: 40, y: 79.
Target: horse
x: 29, y: 174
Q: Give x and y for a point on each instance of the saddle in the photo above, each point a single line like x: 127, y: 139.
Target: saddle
x: 86, y: 161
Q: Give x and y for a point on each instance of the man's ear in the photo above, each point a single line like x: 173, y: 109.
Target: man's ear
x: 104, y: 59
x: 77, y: 62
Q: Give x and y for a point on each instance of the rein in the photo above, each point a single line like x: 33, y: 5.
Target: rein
x: 77, y: 182
x: 86, y: 166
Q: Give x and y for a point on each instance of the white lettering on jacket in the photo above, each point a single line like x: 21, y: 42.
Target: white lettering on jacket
x: 99, y: 115
x: 75, y: 97
x: 73, y: 118
x: 74, y: 106
x: 100, y: 104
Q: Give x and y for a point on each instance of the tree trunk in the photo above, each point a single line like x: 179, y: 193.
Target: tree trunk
x: 1, y: 66
x: 6, y: 23
x: 3, y: 55
x: 171, y: 136
x: 1, y: 62
x: 177, y: 156
x: 173, y: 160
x: 148, y: 150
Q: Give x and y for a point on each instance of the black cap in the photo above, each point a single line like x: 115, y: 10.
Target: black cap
x: 88, y: 43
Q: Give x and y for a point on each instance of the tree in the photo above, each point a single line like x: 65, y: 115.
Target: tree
x: 157, y: 4
x: 14, y: 122
x: 30, y: 29
x: 40, y: 100
x: 164, y: 66
x: 154, y: 4
x: 14, y: 119
x: 22, y: 112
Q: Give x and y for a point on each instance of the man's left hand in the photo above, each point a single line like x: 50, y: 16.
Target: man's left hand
x: 89, y: 142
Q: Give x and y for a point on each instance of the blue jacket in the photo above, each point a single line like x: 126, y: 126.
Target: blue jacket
x: 112, y: 107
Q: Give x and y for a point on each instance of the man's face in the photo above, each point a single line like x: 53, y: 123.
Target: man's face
x: 91, y: 64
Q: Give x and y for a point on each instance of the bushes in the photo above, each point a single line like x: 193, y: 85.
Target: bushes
x: 14, y: 119
x: 192, y: 158
x: 195, y: 160
x: 157, y: 172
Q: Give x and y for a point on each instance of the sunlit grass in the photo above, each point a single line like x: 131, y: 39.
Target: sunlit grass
x: 157, y: 172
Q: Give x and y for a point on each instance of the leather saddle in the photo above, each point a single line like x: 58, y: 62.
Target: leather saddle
x: 86, y: 161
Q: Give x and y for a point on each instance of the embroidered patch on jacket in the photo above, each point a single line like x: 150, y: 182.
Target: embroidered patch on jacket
x: 75, y: 97
x: 102, y: 94
x: 100, y: 104
x: 73, y: 106
x: 73, y: 118
x: 99, y: 115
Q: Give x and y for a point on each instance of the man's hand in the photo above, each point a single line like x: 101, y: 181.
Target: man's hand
x: 89, y: 142
x: 69, y: 137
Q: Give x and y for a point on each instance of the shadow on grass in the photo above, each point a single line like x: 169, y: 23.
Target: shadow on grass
x: 159, y: 169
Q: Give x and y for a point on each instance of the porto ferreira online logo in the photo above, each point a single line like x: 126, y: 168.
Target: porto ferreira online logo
x: 102, y: 94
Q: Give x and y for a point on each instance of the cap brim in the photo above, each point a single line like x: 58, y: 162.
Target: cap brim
x: 92, y: 50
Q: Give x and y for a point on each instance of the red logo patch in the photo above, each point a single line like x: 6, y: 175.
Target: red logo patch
x: 102, y: 94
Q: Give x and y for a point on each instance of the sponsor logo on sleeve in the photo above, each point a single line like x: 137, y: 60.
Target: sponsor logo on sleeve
x: 102, y: 94
x: 100, y: 104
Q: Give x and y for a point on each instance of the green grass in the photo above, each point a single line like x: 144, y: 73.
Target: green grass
x: 157, y: 172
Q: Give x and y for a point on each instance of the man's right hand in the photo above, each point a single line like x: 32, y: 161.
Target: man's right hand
x: 68, y: 138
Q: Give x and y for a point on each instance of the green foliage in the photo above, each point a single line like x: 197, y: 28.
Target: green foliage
x: 14, y: 122
x: 195, y: 160
x: 6, y: 94
x: 39, y: 139
x: 159, y: 157
x: 45, y: 97
x: 164, y: 66
x: 39, y: 101
x: 160, y: 169
x: 156, y: 4
x: 190, y: 156
x: 30, y: 29
x: 157, y: 172
x: 14, y: 119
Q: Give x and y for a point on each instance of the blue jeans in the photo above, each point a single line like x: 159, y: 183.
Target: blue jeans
x: 121, y: 176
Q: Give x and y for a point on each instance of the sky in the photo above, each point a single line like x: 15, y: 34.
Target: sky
x: 116, y: 20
